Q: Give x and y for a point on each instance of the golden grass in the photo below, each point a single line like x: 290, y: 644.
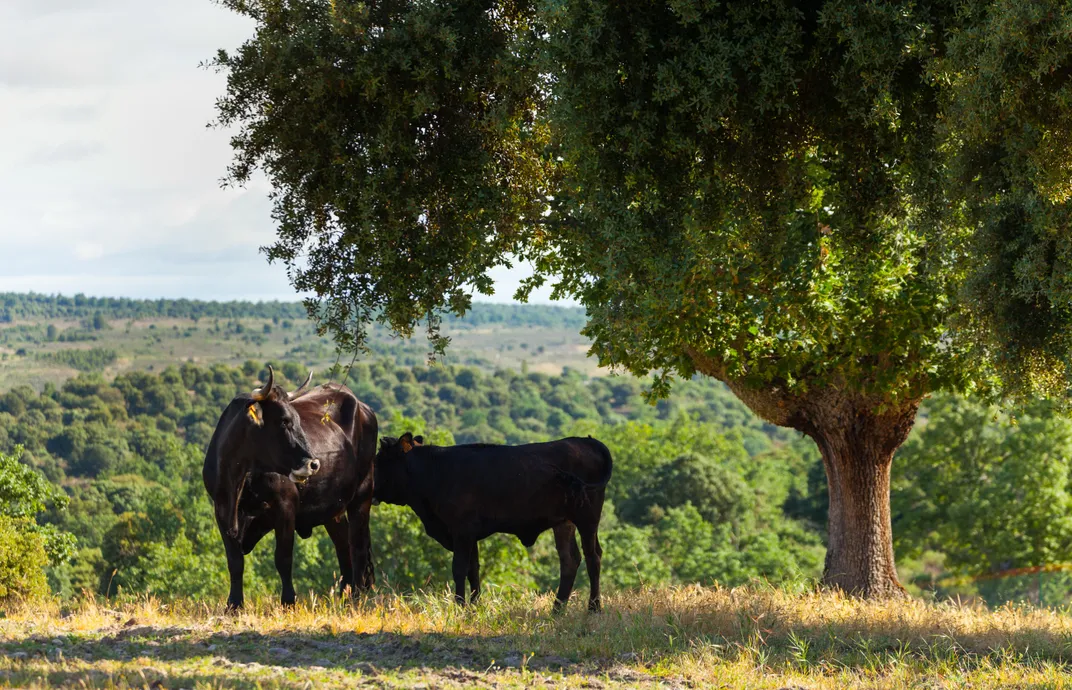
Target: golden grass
x: 675, y: 637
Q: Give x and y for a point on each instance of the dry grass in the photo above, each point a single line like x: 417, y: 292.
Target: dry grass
x: 682, y: 637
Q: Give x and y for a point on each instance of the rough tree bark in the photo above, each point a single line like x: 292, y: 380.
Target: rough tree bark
x: 857, y: 445
x: 857, y: 438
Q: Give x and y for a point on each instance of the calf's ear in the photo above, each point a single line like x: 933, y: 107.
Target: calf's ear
x: 406, y: 441
x: 255, y: 415
x: 418, y: 440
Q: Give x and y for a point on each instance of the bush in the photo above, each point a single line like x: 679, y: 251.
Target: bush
x: 23, y: 494
x: 22, y: 560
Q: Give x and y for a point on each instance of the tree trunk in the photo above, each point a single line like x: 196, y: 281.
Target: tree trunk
x: 857, y: 435
x: 857, y: 446
x: 859, y: 556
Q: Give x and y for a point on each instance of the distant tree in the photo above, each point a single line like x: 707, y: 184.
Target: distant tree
x: 715, y: 488
x: 96, y: 460
x: 836, y: 208
x: 990, y: 492
x: 51, y: 332
x: 294, y: 372
x: 467, y: 378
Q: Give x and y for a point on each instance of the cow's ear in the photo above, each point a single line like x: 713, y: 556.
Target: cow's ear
x: 255, y: 415
x: 406, y: 441
x: 418, y: 440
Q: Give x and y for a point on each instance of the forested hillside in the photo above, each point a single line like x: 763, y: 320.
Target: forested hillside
x: 702, y: 491
x: 697, y: 495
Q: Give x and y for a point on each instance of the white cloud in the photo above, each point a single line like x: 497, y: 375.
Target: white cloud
x: 109, y: 177
x: 88, y: 250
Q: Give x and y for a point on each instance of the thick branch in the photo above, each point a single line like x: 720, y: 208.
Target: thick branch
x: 773, y: 404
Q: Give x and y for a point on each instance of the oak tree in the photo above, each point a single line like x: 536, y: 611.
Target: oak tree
x: 835, y: 207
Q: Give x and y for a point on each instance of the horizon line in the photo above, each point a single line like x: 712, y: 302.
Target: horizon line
x: 297, y: 300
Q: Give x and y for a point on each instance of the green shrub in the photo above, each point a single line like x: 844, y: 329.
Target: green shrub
x: 26, y: 548
x: 22, y: 560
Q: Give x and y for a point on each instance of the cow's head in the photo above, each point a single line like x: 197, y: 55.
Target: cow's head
x: 267, y: 437
x: 275, y: 432
x: 389, y: 468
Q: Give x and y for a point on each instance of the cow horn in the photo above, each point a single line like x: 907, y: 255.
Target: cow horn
x: 265, y: 390
x: 294, y: 393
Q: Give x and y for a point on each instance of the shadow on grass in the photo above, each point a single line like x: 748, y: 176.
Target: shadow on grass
x: 655, y: 631
x: 364, y: 652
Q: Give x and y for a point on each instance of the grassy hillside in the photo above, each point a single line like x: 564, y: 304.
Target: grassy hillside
x: 50, y: 339
x: 675, y: 637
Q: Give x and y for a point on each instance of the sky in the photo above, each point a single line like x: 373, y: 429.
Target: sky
x: 109, y: 176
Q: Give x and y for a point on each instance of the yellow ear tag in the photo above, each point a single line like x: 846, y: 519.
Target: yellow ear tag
x: 254, y: 415
x: 406, y: 446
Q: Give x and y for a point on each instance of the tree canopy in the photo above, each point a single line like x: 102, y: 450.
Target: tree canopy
x: 791, y: 191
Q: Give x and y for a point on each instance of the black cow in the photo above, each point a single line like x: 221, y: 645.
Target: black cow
x: 290, y: 462
x: 465, y: 493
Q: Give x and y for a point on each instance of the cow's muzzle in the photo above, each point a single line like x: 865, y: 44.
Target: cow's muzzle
x: 311, y: 467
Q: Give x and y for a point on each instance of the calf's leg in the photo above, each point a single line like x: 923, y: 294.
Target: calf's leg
x: 463, y: 549
x: 569, y: 560
x: 284, y: 563
x: 593, y: 557
x: 339, y: 533
x: 474, y: 574
x: 361, y: 543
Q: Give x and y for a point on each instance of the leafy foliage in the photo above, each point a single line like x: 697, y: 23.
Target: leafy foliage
x: 26, y: 547
x: 1007, y: 78
x: 422, y: 116
x: 779, y: 193
x: 991, y: 492
x: 24, y: 494
x: 22, y: 561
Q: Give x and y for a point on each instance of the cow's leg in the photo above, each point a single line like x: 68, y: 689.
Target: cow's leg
x: 593, y: 557
x: 569, y: 560
x: 339, y: 533
x: 474, y: 574
x: 463, y: 549
x: 361, y: 543
x: 286, y: 514
x: 236, y: 566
